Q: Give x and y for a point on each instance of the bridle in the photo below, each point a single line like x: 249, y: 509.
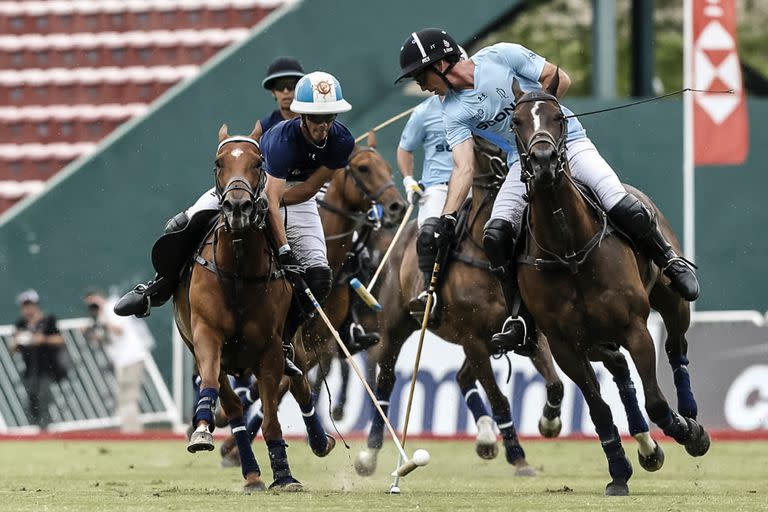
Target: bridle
x: 375, y: 212
x: 258, y: 213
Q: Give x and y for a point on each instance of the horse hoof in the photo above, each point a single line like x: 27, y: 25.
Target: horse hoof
x: 654, y: 461
x: 200, y: 440
x: 485, y: 444
x: 231, y: 459
x: 286, y: 484
x: 698, y: 443
x: 337, y: 413
x: 365, y: 463
x: 329, y: 446
x: 550, y: 428
x: 220, y: 418
x: 254, y: 483
x: 522, y: 468
x: 617, y: 488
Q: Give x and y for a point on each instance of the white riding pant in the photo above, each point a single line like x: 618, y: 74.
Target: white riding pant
x: 432, y: 202
x: 587, y: 167
x: 302, y: 226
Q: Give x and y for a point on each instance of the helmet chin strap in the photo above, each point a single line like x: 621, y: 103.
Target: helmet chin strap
x: 442, y: 75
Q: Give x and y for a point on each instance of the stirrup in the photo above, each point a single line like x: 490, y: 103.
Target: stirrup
x: 290, y: 369
x: 509, y: 322
x: 682, y: 277
x: 360, y: 340
x: 505, y: 341
x: 135, y: 302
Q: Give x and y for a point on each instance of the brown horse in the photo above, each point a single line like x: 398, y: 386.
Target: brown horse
x: 221, y: 318
x: 598, y: 295
x: 472, y: 307
x: 364, y: 185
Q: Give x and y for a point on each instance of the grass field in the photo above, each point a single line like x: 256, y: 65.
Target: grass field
x: 160, y: 475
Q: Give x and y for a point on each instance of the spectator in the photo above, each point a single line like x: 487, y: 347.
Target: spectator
x: 126, y: 341
x: 39, y: 341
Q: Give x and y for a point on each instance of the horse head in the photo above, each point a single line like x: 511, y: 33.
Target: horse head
x: 368, y: 186
x: 540, y: 129
x: 240, y: 181
x: 491, y: 165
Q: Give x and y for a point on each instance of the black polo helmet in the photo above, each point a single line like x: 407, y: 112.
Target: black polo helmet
x: 424, y: 48
x: 282, y: 67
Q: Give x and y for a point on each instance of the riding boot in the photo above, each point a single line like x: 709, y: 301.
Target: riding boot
x: 156, y: 292
x: 426, y: 251
x: 292, y: 323
x: 636, y: 220
x: 518, y: 333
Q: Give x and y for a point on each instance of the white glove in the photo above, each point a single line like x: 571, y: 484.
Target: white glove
x: 412, y: 188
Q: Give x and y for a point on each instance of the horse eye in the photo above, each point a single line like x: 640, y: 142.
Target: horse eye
x: 363, y: 168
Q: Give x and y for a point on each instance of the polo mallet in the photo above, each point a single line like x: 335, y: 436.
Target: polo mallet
x: 395, y: 488
x: 420, y: 457
x: 365, y: 292
x: 386, y: 123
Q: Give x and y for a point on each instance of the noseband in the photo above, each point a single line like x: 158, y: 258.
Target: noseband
x: 540, y: 136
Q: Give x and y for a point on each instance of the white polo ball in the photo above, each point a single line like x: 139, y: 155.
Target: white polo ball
x: 421, y: 457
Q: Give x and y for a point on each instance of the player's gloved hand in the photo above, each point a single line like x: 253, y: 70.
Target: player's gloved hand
x: 413, y: 189
x: 294, y: 273
x: 445, y: 231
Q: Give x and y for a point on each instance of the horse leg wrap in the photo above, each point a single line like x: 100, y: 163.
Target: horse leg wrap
x: 686, y: 403
x: 618, y: 466
x: 254, y: 424
x: 278, y: 459
x: 675, y: 426
x: 474, y: 401
x: 555, y: 394
x: 512, y: 448
x: 206, y: 404
x: 247, y: 458
x: 376, y: 436
x: 317, y: 438
x: 628, y: 396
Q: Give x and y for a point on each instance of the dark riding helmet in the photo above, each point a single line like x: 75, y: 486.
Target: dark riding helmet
x: 282, y: 67
x: 424, y: 48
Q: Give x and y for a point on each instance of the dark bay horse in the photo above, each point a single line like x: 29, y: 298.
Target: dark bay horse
x: 365, y: 185
x: 473, y: 307
x: 588, y: 288
x: 223, y: 317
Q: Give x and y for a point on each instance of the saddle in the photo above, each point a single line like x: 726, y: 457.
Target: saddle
x: 172, y: 250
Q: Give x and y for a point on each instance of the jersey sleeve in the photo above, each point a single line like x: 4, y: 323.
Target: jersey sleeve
x: 343, y: 147
x: 523, y: 61
x: 456, y: 131
x: 276, y: 158
x: 414, y: 132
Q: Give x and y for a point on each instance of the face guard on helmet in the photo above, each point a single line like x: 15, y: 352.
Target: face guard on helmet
x: 319, y: 93
x: 423, y: 49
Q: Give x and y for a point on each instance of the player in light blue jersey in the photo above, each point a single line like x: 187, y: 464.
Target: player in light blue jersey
x: 479, y: 100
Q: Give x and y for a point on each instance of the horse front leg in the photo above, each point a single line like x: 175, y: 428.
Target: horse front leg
x: 577, y: 368
x: 269, y: 374
x: 485, y: 443
x: 550, y: 423
x: 207, y: 348
x: 320, y: 442
x: 685, y: 430
x: 233, y: 408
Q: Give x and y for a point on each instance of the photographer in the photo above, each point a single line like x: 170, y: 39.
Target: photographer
x: 126, y: 342
x: 39, y: 341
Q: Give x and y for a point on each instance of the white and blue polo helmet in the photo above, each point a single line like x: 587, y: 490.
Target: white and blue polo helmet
x: 319, y: 93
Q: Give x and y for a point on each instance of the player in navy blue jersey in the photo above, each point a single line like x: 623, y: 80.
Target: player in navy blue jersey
x: 282, y: 76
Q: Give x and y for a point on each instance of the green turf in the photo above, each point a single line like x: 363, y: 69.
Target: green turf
x: 155, y: 476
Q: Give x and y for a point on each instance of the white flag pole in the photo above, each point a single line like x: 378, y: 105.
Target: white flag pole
x: 689, y: 188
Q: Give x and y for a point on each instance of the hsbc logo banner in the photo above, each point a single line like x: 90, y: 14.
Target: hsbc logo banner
x: 721, y: 132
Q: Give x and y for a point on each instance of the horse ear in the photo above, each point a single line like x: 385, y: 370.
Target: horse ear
x: 223, y: 132
x: 518, y: 92
x: 554, y: 83
x: 372, y: 139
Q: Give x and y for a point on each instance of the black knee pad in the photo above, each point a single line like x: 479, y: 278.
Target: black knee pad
x: 176, y: 223
x: 633, y: 216
x: 499, y: 242
x: 426, y: 248
x: 320, y: 281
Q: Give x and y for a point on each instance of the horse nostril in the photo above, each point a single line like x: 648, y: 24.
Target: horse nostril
x: 396, y: 207
x: 226, y: 206
x: 247, y: 206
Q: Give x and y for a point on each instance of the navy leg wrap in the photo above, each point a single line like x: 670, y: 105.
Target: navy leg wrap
x: 247, y: 458
x: 628, y: 396
x: 618, y: 466
x: 317, y: 438
x: 206, y: 404
x: 512, y: 447
x: 254, y: 424
x: 686, y: 403
x: 474, y: 401
x: 376, y: 435
x: 278, y: 459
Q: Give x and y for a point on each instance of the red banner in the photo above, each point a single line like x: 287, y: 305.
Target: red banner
x: 721, y: 130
